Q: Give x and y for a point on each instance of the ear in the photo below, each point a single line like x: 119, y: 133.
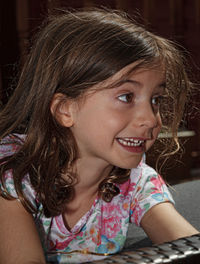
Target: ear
x: 61, y: 109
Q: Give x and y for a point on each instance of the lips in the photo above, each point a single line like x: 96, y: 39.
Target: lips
x: 132, y: 144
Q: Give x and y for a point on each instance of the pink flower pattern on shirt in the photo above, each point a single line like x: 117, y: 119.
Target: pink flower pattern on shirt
x: 111, y: 226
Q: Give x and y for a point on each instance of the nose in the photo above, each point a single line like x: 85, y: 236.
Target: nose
x: 147, y: 116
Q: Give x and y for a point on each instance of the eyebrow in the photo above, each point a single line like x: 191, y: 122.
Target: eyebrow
x: 123, y: 81
x: 161, y: 85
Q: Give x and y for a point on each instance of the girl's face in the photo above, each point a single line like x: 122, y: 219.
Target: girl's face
x: 117, y: 125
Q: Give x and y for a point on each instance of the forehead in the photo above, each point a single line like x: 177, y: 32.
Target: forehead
x: 134, y: 69
x: 127, y: 73
x: 134, y: 73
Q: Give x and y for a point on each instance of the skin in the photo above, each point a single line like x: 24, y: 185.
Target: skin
x: 19, y: 238
x: 130, y: 110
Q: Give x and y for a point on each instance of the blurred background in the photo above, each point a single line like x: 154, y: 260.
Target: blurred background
x: 178, y: 20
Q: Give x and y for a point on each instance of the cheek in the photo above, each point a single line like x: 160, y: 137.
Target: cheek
x: 114, y: 123
x: 99, y: 122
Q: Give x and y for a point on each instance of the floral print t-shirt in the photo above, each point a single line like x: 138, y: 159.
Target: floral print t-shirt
x: 103, y: 229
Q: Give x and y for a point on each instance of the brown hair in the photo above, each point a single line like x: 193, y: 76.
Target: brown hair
x: 71, y: 53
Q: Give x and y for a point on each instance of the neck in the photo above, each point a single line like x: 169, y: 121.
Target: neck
x: 90, y: 174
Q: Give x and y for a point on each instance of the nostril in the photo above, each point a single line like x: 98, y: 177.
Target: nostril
x: 150, y: 122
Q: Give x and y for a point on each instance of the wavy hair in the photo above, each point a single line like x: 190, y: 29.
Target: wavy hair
x: 72, y: 52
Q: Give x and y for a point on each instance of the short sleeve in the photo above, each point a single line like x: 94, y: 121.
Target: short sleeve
x: 8, y: 146
x: 27, y: 188
x: 150, y: 190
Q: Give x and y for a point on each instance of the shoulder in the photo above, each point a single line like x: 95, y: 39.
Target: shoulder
x: 150, y: 190
x: 144, y: 174
x: 27, y: 188
x: 11, y: 144
x: 148, y: 181
x: 139, y: 177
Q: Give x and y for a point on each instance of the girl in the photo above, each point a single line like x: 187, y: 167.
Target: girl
x: 73, y: 136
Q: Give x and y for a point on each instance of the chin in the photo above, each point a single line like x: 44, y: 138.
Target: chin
x: 130, y: 165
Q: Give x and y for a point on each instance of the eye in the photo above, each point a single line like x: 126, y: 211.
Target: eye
x: 126, y: 98
x: 156, y: 100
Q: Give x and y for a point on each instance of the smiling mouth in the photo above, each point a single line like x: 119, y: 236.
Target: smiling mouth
x: 131, y: 142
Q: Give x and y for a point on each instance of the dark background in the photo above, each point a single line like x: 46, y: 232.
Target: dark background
x: 178, y: 20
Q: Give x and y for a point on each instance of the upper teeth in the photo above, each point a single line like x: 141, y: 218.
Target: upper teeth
x: 130, y: 142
